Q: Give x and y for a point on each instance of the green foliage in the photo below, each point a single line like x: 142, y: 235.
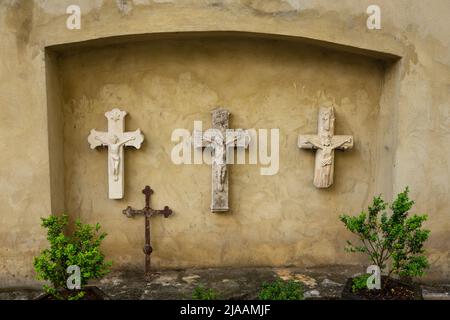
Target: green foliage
x: 77, y: 296
x: 281, y: 290
x: 360, y: 282
x: 82, y: 249
x: 396, y: 239
x: 201, y: 293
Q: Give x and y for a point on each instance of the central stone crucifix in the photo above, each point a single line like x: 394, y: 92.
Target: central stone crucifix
x: 220, y: 138
x: 325, y: 142
x: 115, y: 139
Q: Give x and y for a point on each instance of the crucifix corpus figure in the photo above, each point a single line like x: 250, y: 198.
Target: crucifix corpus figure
x: 147, y: 212
x: 115, y: 139
x: 325, y: 142
x: 220, y: 138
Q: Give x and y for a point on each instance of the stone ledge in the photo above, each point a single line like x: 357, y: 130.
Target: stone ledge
x: 230, y: 283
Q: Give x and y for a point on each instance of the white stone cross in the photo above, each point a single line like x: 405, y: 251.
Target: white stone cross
x: 220, y: 138
x: 115, y: 139
x: 325, y: 142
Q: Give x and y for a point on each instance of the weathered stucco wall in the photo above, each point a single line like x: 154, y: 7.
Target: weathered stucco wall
x: 281, y: 219
x: 24, y: 171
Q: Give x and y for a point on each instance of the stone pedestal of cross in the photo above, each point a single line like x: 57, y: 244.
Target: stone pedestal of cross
x: 325, y: 142
x: 147, y: 212
x: 115, y: 139
x: 220, y: 138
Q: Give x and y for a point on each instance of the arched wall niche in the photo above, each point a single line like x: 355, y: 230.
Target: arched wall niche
x: 168, y: 80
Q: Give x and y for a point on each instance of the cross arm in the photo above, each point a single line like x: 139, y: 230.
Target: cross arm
x: 130, y: 212
x: 200, y: 140
x: 207, y: 138
x: 98, y: 138
x: 166, y: 212
x: 238, y: 137
x: 133, y: 138
x: 309, y: 142
x: 342, y: 142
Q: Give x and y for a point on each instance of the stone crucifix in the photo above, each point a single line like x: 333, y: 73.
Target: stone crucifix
x: 220, y: 138
x: 147, y: 212
x: 325, y: 142
x: 115, y: 139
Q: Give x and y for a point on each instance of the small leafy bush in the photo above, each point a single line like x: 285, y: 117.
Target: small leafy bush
x: 281, y: 290
x: 360, y: 282
x: 201, y: 293
x: 81, y: 249
x: 392, y: 241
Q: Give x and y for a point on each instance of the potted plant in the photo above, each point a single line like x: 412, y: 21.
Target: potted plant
x: 392, y: 242
x: 77, y: 255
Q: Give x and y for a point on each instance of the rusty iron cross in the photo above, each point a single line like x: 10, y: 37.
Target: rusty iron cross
x: 148, y: 212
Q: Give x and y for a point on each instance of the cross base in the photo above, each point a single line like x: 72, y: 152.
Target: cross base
x: 150, y: 276
x: 224, y: 209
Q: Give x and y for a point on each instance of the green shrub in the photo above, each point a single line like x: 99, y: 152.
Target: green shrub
x: 281, y: 290
x: 81, y: 249
x: 201, y: 293
x: 392, y: 241
x: 360, y: 282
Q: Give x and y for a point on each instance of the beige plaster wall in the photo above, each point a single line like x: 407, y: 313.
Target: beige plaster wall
x: 167, y: 84
x: 408, y: 103
x: 24, y: 171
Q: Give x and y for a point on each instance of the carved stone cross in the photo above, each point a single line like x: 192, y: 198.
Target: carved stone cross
x: 115, y: 139
x: 325, y: 142
x: 219, y: 139
x: 147, y: 212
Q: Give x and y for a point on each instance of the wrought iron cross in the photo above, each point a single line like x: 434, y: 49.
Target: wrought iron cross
x: 147, y: 212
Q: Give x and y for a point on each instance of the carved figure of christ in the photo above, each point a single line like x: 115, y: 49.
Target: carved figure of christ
x: 325, y: 142
x: 220, y: 139
x: 114, y: 148
x: 115, y: 139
